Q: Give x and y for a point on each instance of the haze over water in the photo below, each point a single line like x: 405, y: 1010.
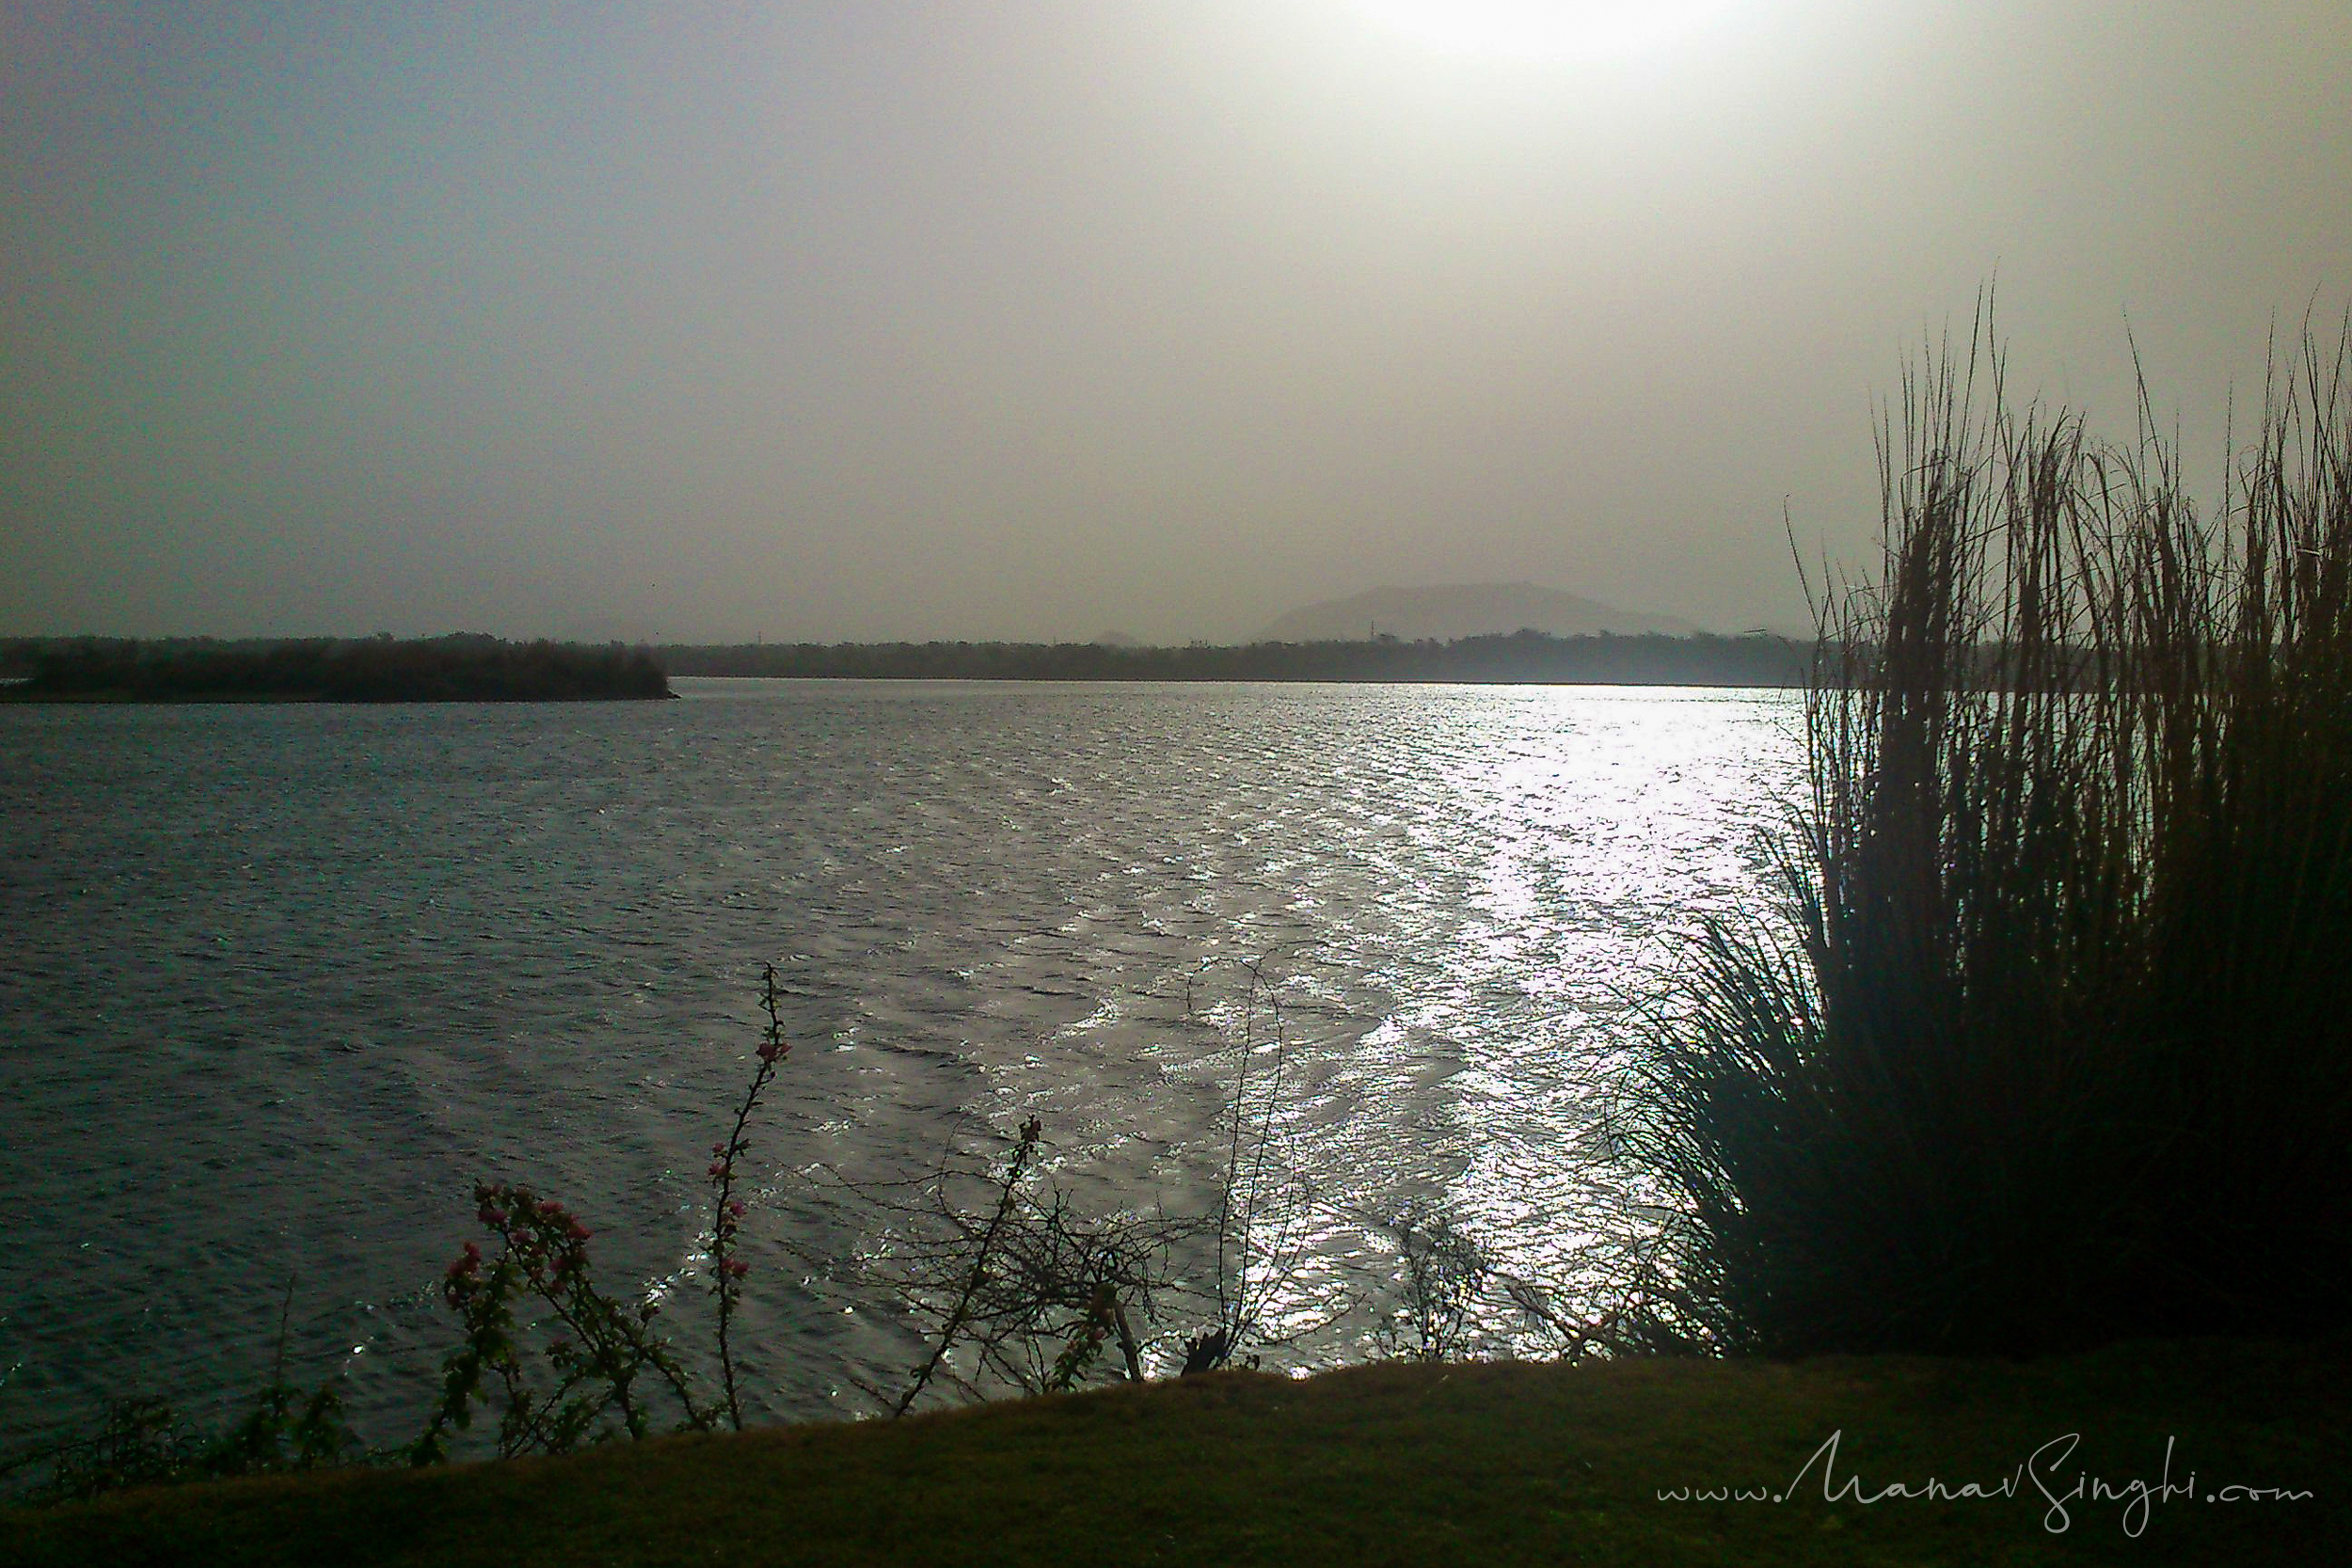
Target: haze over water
x: 286, y: 980
x: 1035, y: 318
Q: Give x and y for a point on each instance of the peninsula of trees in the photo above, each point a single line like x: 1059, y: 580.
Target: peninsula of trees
x: 465, y: 668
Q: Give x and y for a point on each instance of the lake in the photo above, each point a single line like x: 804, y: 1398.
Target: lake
x: 281, y: 982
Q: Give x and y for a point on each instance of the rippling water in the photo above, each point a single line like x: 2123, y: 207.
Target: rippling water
x: 281, y: 982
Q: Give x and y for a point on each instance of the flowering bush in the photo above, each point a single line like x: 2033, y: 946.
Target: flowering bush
x: 608, y: 1373
x: 727, y: 1270
x: 595, y: 1351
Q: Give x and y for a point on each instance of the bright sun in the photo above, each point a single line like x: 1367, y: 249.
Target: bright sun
x: 1546, y: 29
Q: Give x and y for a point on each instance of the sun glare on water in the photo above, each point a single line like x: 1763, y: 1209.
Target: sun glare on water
x: 1546, y: 29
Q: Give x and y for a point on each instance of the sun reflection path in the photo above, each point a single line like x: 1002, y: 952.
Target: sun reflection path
x: 1463, y: 896
x: 1607, y: 825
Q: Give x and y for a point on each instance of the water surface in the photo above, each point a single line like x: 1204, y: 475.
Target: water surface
x: 282, y: 982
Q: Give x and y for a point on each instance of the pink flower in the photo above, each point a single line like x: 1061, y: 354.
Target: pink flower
x: 734, y: 1208
x: 772, y: 1050
x: 734, y: 1267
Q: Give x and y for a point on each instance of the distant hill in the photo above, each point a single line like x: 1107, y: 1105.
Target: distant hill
x: 1463, y: 609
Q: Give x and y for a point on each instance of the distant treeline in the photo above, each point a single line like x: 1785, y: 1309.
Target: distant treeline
x: 475, y: 668
x: 1521, y: 657
x: 467, y: 667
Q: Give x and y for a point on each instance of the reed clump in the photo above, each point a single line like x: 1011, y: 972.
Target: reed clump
x: 2050, y: 1041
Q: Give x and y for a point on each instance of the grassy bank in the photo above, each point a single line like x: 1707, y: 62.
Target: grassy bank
x: 1460, y: 1463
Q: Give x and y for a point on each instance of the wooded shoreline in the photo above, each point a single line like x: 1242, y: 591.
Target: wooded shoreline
x: 462, y: 669
x: 470, y: 666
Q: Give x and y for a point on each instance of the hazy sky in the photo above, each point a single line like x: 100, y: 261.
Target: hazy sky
x: 1004, y: 319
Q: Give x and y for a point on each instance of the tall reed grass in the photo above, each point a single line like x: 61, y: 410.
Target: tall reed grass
x: 2050, y: 1042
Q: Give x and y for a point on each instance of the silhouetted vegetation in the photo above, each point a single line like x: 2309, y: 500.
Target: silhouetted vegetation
x: 1523, y: 656
x: 463, y: 668
x: 1020, y: 1282
x: 2053, y: 1042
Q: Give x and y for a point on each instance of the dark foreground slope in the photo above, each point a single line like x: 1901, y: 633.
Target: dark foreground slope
x: 1462, y: 1463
